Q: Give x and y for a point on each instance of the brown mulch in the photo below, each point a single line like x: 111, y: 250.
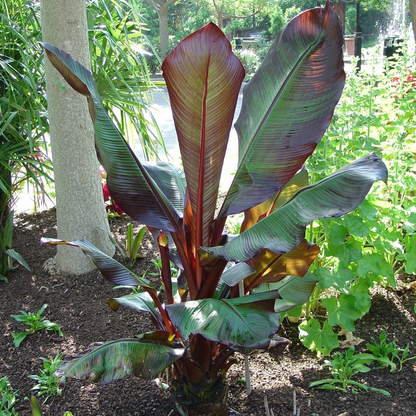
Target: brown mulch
x: 78, y: 305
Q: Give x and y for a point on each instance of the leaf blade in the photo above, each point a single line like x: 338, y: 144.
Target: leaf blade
x: 284, y: 229
x: 281, y: 122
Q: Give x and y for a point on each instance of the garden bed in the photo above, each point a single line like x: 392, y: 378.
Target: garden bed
x: 78, y: 305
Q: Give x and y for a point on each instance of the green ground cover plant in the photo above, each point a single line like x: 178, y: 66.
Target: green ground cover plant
x: 47, y: 384
x: 36, y: 323
x: 343, y: 367
x: 370, y: 245
x: 385, y: 353
x: 8, y: 398
x: 205, y: 318
x: 346, y: 365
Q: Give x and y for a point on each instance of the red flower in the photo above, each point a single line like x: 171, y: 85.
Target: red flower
x: 106, y: 192
x: 112, y: 205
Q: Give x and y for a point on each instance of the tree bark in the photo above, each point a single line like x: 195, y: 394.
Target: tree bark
x: 412, y: 8
x: 80, y: 206
x: 161, y: 7
x: 163, y: 28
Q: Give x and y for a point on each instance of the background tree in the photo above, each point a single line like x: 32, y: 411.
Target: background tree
x: 412, y: 8
x: 161, y: 7
x: 79, y: 200
x: 224, y: 10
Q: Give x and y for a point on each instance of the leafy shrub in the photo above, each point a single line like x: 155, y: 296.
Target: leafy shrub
x: 8, y: 398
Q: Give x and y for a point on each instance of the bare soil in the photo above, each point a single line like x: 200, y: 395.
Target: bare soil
x: 78, y: 305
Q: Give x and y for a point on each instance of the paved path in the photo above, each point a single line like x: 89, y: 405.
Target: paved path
x: 163, y: 115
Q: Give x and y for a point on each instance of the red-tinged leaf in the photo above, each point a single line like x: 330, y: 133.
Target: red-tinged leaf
x: 67, y: 71
x: 255, y: 214
x: 135, y: 190
x: 111, y: 269
x: 284, y: 229
x: 203, y: 77
x: 271, y: 267
x: 287, y: 107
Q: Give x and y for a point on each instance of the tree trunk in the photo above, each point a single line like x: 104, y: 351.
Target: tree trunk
x: 412, y: 7
x: 79, y: 201
x: 163, y: 28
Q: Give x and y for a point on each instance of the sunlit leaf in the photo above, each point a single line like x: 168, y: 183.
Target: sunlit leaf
x: 203, y: 78
x: 284, y: 229
x: 112, y: 360
x: 287, y: 106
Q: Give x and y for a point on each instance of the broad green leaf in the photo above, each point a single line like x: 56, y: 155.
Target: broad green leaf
x: 111, y: 269
x: 356, y: 226
x: 284, y: 229
x: 410, y: 265
x: 374, y: 263
x: 287, y: 107
x: 224, y: 321
x: 337, y: 279
x: 321, y: 340
x: 350, y: 251
x: 129, y: 183
x: 18, y: 338
x: 342, y: 311
x: 248, y: 321
x: 361, y: 291
x: 203, y: 78
x: 324, y: 276
x: 337, y: 234
x: 144, y: 358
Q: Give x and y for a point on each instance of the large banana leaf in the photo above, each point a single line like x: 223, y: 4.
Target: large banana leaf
x: 111, y: 269
x: 138, y: 302
x: 203, y: 77
x: 144, y: 358
x: 129, y: 183
x: 287, y: 107
x: 284, y: 229
x: 249, y: 321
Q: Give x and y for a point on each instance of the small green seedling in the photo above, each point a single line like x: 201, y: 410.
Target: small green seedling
x: 343, y: 368
x: 8, y: 398
x: 158, y: 263
x: 131, y: 253
x: 386, y: 352
x: 36, y: 323
x: 47, y: 384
